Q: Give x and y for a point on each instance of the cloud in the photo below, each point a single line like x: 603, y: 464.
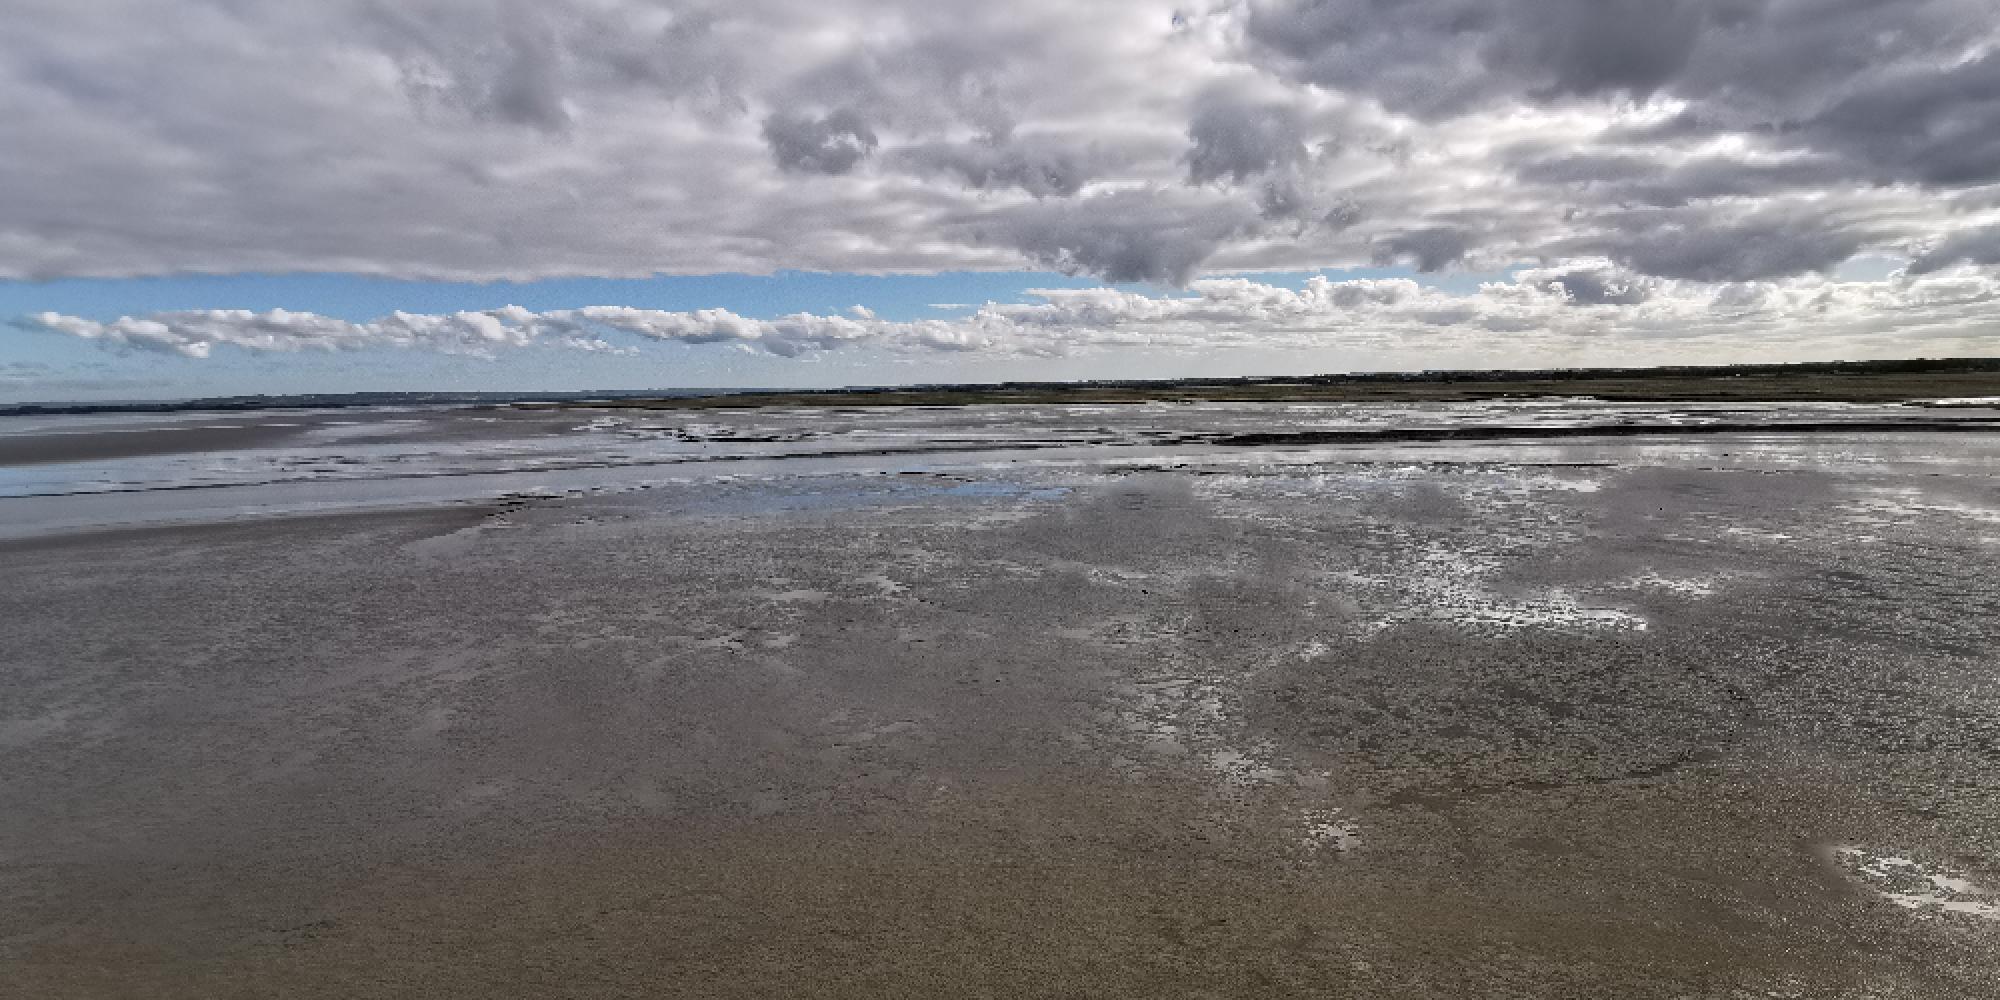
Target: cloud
x: 1928, y: 125
x: 1713, y: 140
x: 197, y: 333
x: 1764, y: 58
x: 1441, y: 57
x: 1039, y: 169
x: 829, y: 144
x: 1776, y: 242
x: 1625, y: 177
x: 1238, y: 138
x: 1594, y: 283
x: 520, y: 63
x: 1623, y: 46
x: 1428, y: 250
x: 1562, y: 314
x: 1973, y: 246
x: 1123, y: 236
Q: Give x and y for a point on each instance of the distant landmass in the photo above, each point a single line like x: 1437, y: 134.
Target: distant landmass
x: 1828, y: 381
x: 338, y: 400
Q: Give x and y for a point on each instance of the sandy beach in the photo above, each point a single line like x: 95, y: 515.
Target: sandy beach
x: 1052, y: 701
x: 945, y: 500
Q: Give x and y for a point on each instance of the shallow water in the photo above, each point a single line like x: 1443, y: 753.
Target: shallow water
x: 204, y: 466
x: 1017, y: 702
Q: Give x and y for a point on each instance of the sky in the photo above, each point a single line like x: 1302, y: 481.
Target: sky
x: 223, y: 196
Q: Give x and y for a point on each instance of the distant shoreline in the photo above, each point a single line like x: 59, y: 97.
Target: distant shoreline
x: 1833, y: 382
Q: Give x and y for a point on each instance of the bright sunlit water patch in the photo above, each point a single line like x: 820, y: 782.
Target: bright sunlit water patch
x: 1926, y: 889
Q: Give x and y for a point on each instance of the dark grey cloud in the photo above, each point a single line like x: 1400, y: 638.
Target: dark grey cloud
x: 1041, y: 170
x: 1721, y: 246
x: 1928, y: 125
x: 527, y: 88
x: 690, y: 56
x: 1237, y: 138
x: 1430, y: 249
x: 1869, y: 92
x: 1417, y: 56
x: 1441, y: 57
x: 503, y: 63
x: 1344, y: 213
x: 1127, y: 236
x: 1976, y: 246
x: 1608, y: 46
x: 1597, y: 284
x: 1295, y: 211
x: 1282, y: 199
x: 832, y: 143
x: 1773, y: 58
x: 1625, y: 177
x: 522, y: 63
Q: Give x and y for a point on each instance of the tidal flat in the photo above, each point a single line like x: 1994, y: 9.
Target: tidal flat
x: 1520, y: 698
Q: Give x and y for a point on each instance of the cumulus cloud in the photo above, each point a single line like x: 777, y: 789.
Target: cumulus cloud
x: 1712, y: 140
x: 196, y: 333
x: 1577, y: 310
x: 1593, y: 283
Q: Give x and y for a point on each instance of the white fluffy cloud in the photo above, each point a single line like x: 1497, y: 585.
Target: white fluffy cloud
x: 1584, y: 309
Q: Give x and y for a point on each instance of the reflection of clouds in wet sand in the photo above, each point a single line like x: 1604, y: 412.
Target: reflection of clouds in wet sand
x: 882, y: 584
x: 1881, y: 506
x: 1327, y: 831
x: 1451, y: 588
x: 1186, y: 714
x: 1916, y: 886
x: 1684, y: 586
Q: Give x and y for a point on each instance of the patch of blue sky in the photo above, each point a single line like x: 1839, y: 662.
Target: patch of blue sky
x: 357, y: 297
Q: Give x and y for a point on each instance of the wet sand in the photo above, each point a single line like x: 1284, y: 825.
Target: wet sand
x: 1715, y: 716
x: 131, y: 442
